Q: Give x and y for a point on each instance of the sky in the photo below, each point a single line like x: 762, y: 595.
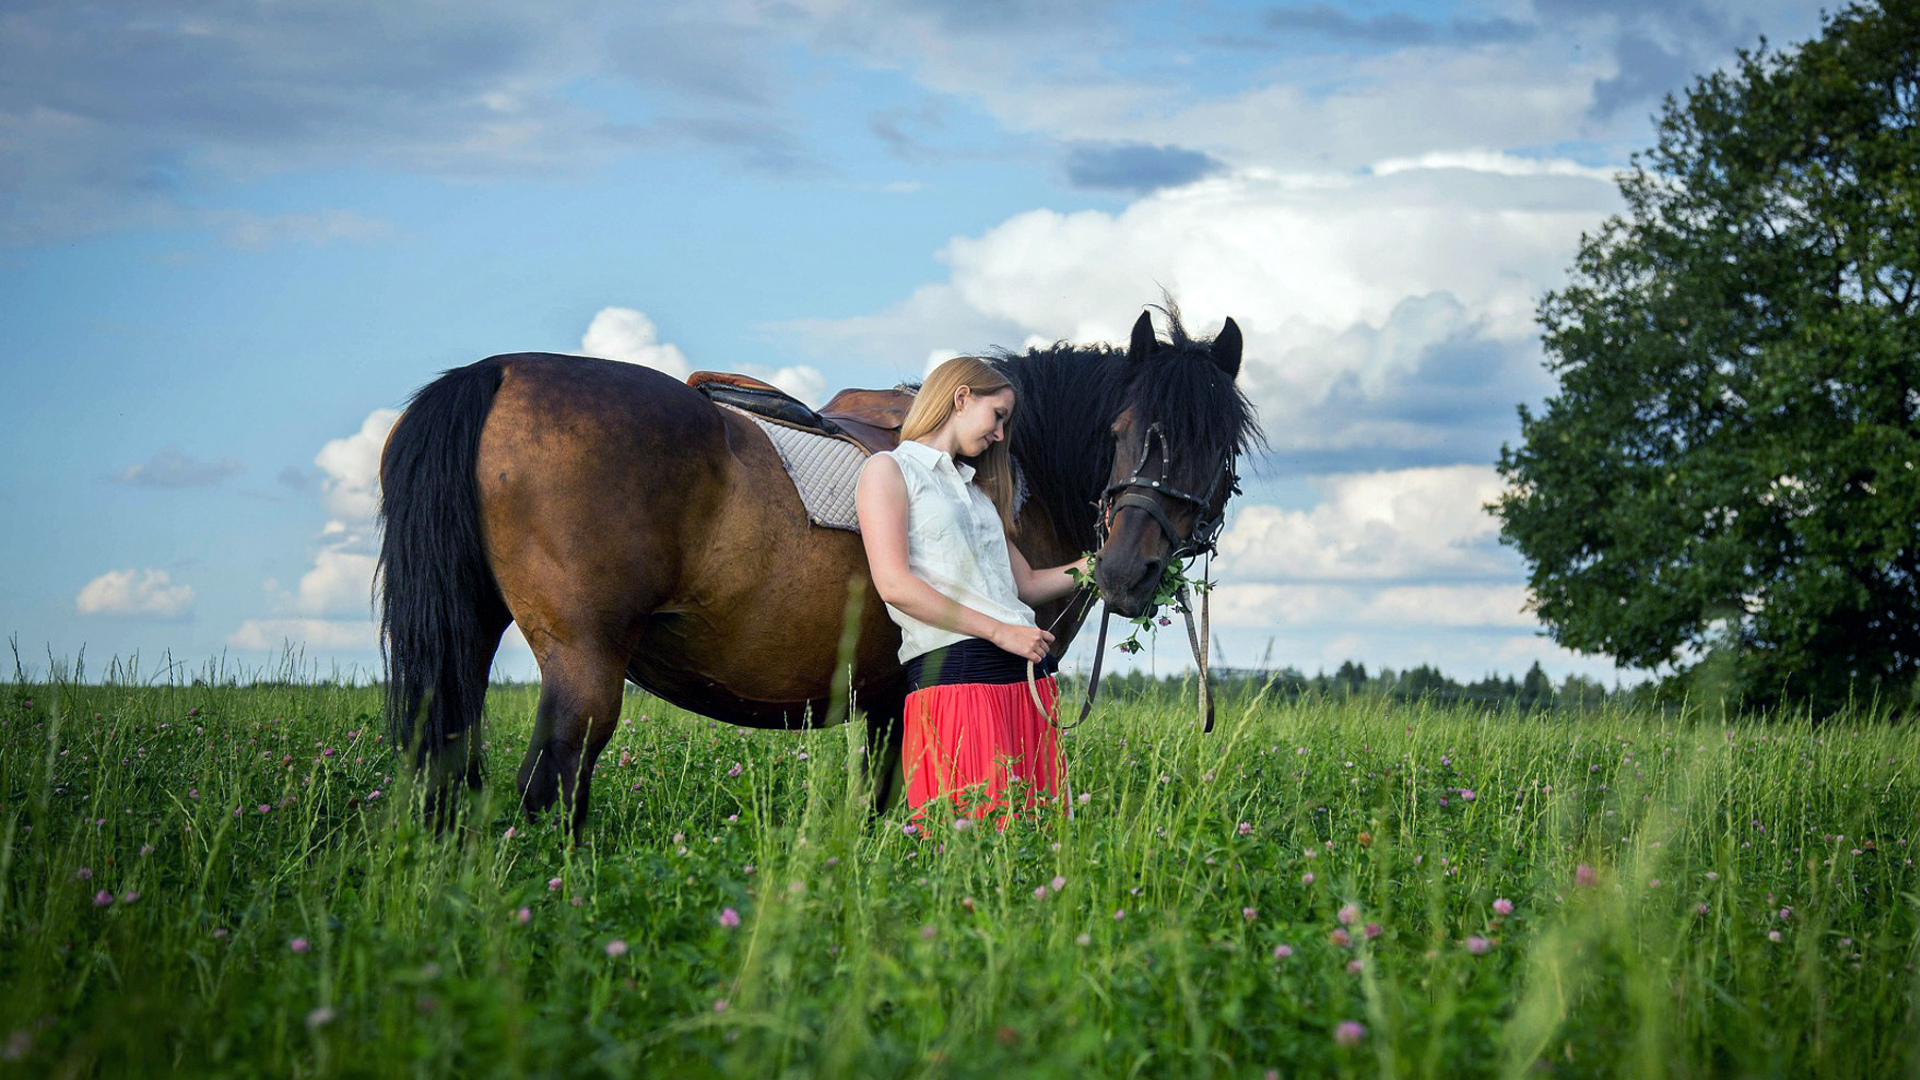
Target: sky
x: 236, y: 235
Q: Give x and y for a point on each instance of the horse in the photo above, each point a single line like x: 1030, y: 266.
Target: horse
x: 635, y: 531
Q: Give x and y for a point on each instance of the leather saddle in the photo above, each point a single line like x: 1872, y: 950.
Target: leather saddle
x: 871, y: 418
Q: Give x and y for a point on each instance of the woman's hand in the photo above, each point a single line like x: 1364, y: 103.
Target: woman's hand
x: 1028, y: 642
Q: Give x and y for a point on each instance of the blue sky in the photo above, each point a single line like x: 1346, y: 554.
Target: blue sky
x: 234, y: 236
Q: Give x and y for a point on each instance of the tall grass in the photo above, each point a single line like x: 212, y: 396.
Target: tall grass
x: 233, y: 880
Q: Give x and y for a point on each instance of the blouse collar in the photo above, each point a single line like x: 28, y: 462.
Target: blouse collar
x: 935, y: 459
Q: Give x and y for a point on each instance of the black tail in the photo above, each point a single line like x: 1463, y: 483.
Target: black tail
x: 441, y: 613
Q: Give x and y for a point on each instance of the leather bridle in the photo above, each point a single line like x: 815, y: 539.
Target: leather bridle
x: 1137, y: 492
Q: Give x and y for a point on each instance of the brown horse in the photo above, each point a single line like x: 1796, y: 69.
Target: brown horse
x: 636, y: 531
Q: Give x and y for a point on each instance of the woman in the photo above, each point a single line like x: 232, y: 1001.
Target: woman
x: 935, y: 516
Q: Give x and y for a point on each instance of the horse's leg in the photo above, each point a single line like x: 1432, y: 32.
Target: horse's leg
x: 884, y: 735
x: 580, y: 694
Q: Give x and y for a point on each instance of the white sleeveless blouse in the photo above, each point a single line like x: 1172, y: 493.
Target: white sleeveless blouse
x: 956, y: 544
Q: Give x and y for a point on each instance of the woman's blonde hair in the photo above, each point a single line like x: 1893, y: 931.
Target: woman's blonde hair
x: 933, y: 406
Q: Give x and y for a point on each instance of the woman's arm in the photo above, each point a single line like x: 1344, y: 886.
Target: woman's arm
x: 1040, y: 586
x: 881, y: 501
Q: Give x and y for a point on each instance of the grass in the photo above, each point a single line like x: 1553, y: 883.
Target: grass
x: 232, y: 880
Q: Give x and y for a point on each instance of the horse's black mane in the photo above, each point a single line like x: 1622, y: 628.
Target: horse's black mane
x: 1204, y: 415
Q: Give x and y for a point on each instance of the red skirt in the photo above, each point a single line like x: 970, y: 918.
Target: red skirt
x: 984, y: 747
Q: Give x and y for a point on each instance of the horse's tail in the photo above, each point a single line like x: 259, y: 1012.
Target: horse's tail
x: 441, y: 613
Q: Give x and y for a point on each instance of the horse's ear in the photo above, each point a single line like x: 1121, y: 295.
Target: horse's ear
x: 1226, y: 349
x: 1143, y: 342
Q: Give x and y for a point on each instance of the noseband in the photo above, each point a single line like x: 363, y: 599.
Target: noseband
x: 1137, y: 492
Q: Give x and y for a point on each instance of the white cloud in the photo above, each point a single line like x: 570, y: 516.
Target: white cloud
x: 351, y: 487
x: 1399, y: 525
x: 143, y: 593
x: 621, y: 333
x: 1406, y: 298
x: 341, y: 582
x: 352, y: 635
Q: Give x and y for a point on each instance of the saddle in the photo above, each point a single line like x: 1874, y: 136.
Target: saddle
x: 870, y: 419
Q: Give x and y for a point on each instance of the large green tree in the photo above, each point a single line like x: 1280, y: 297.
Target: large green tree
x: 1728, y: 479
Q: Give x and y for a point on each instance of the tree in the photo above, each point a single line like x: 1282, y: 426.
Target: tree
x: 1729, y: 466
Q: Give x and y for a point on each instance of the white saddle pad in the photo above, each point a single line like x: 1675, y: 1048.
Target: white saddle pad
x: 824, y: 470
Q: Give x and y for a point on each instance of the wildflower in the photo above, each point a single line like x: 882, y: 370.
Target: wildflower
x: 720, y: 1005
x: 1773, y: 936
x: 1349, y: 1032
x: 320, y: 1017
x: 1365, y: 838
x: 1281, y: 952
x: 219, y: 932
x: 616, y: 948
x: 299, y: 945
x: 1119, y: 915
x: 909, y: 828
x: 735, y: 771
x: 1713, y: 875
x: 553, y: 884
x: 1040, y: 892
x: 1249, y: 913
x: 1584, y: 876
x: 1083, y: 939
x: 961, y: 824
x: 524, y: 915
x: 1246, y: 828
x: 103, y: 898
x: 1356, y: 966
x: 1340, y: 937
x: 1467, y: 795
x: 1701, y: 908
x: 1502, y: 906
x: 967, y: 902
x: 1085, y: 798
x: 1478, y: 945
x: 1786, y: 913
x: 85, y: 873
x: 1373, y: 931
x: 1348, y: 913
x: 146, y: 849
x: 129, y: 897
x: 729, y: 918
x: 1058, y: 883
x: 1306, y: 878
x: 1653, y: 883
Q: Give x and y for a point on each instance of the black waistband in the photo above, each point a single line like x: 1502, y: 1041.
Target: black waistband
x: 972, y: 660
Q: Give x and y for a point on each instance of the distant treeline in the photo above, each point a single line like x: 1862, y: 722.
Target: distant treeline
x: 1534, y: 690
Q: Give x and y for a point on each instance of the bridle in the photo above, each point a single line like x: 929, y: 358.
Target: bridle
x: 1137, y: 492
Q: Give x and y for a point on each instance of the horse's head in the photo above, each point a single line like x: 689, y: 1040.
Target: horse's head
x: 1181, y: 427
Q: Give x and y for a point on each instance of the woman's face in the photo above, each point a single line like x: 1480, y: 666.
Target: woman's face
x: 980, y: 420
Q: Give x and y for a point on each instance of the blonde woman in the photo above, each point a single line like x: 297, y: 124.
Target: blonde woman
x: 935, y: 516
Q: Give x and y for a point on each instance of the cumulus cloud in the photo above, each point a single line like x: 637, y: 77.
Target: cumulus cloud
x: 149, y: 594
x: 346, y: 635
x: 622, y: 333
x: 1384, y: 313
x: 351, y: 469
x: 170, y: 468
x: 1407, y: 525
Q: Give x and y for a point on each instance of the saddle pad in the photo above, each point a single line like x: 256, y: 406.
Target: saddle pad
x: 824, y: 469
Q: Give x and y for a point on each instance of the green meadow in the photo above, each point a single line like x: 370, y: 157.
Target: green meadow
x: 232, y: 880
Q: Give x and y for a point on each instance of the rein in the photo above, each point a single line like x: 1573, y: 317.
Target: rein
x: 1201, y: 543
